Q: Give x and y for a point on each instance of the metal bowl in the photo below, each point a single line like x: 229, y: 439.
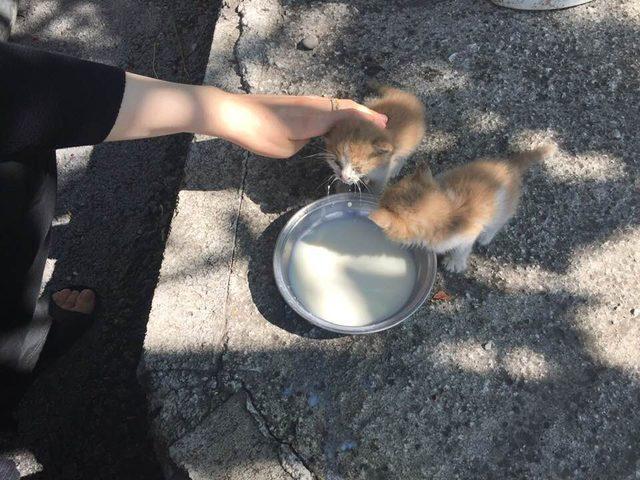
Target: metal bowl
x: 333, y: 207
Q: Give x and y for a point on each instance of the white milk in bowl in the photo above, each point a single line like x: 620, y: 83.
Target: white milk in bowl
x: 347, y: 272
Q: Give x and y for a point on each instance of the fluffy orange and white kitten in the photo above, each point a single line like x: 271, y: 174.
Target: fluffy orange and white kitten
x: 359, y: 151
x: 450, y: 212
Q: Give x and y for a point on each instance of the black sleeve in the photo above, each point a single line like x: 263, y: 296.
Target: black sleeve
x: 50, y: 101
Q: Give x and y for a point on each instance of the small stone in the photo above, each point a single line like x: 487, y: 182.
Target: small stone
x: 617, y: 135
x: 310, y: 42
x: 488, y: 346
x: 635, y: 312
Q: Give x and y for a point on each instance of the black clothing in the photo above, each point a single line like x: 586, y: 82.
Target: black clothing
x: 47, y: 101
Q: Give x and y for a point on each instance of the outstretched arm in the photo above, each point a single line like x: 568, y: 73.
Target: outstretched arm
x: 269, y: 125
x: 51, y: 101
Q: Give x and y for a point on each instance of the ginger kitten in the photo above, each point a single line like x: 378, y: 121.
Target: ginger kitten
x: 360, y: 151
x: 450, y: 212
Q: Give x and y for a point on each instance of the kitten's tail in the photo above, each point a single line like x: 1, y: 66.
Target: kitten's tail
x: 523, y: 160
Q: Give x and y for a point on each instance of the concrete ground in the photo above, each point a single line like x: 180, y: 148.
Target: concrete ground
x: 530, y: 370
x: 87, y: 418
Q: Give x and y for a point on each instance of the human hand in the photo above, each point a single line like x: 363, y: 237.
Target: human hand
x: 279, y: 125
x: 270, y: 125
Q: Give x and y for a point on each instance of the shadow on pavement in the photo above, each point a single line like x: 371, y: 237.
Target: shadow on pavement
x: 87, y: 416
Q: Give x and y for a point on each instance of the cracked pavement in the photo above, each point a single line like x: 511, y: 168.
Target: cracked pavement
x: 530, y: 370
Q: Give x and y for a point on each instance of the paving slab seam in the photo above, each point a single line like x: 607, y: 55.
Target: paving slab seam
x: 225, y: 343
x: 217, y: 371
x: 212, y: 408
x: 239, y: 10
x: 291, y: 461
x: 244, y: 86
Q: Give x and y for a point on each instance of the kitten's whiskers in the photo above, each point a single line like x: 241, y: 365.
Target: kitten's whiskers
x: 366, y: 187
x: 326, y: 181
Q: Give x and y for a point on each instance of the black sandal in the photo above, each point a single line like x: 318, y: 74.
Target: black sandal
x: 66, y: 328
x: 50, y: 335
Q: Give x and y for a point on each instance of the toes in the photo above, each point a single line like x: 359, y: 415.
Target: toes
x: 86, y: 301
x: 61, y: 297
x: 78, y: 301
x: 71, y: 300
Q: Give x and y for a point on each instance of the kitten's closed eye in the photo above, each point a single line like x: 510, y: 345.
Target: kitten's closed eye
x: 342, y: 167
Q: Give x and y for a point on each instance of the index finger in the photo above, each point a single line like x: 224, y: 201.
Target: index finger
x: 362, y: 108
x: 348, y: 108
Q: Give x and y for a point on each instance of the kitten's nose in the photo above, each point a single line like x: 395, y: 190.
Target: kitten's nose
x: 344, y: 178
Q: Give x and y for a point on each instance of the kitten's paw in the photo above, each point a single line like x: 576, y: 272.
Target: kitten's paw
x: 485, y: 238
x: 455, y: 264
x: 484, y: 241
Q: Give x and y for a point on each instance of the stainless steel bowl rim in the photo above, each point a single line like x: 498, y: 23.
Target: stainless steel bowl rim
x: 292, y: 301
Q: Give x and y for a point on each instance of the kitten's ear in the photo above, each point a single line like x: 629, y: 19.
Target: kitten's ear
x: 382, y: 217
x: 382, y: 147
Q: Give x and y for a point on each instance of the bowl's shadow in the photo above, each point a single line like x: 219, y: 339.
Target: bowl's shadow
x: 265, y: 293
